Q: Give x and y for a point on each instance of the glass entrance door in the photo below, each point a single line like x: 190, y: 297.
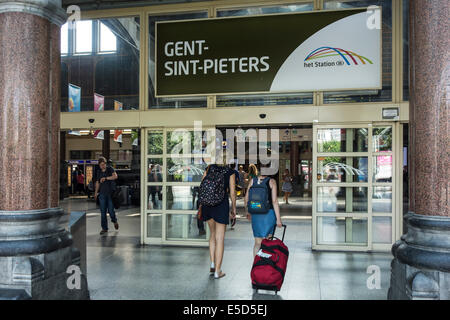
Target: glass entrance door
x: 174, y: 168
x: 353, y: 187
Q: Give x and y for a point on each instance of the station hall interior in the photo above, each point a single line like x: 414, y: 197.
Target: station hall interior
x: 365, y: 163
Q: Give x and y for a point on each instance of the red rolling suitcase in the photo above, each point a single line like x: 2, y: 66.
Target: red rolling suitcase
x: 269, y: 266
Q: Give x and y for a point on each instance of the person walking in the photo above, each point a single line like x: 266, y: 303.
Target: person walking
x: 104, y: 188
x: 80, y: 182
x: 263, y: 223
x: 252, y: 172
x: 287, y: 185
x: 217, y: 180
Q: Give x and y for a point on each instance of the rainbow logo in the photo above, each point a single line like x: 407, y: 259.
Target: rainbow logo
x: 346, y: 55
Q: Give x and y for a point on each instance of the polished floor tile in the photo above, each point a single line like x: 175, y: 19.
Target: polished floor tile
x: 120, y: 268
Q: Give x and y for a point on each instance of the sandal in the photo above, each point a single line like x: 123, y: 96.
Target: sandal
x: 221, y: 275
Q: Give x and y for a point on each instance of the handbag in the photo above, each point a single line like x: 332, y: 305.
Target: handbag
x: 116, y: 198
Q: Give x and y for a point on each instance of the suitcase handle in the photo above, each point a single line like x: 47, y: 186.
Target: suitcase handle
x: 275, y: 228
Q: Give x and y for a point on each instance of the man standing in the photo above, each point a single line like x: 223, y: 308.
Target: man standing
x: 104, y: 188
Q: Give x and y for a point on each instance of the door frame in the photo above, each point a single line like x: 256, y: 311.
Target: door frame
x: 396, y: 205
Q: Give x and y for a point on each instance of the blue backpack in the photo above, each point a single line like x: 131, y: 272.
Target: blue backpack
x: 258, y: 197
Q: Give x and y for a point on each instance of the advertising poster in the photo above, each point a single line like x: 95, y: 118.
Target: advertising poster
x: 118, y: 106
x: 99, y: 134
x: 292, y: 52
x: 99, y: 102
x: 74, y: 98
x: 118, y: 136
x: 134, y: 138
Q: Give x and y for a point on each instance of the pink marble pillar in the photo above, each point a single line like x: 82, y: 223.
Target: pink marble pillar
x: 29, y: 112
x: 421, y: 264
x: 36, y: 250
x: 429, y: 102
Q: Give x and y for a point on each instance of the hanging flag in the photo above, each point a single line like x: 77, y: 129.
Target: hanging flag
x: 74, y: 98
x: 99, y: 134
x: 118, y: 136
x: 99, y: 102
x: 99, y: 105
x: 134, y: 138
x: 118, y: 106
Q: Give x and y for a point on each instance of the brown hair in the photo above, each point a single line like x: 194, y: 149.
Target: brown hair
x: 101, y: 159
x: 252, y: 169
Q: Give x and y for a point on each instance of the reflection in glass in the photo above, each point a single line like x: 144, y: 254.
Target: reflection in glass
x: 182, y: 197
x: 185, y: 226
x: 337, y: 140
x: 345, y: 230
x: 382, y: 199
x: 382, y: 169
x: 185, y: 169
x: 299, y: 7
x: 155, y: 170
x: 382, y: 139
x: 340, y: 199
x: 154, y: 225
x: 181, y: 142
x: 155, y: 198
x: 382, y: 230
x: 340, y: 169
x: 264, y: 100
x: 155, y: 142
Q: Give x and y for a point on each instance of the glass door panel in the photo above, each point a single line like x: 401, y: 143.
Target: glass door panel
x: 173, y: 178
x: 185, y: 227
x: 342, y: 231
x: 353, y: 186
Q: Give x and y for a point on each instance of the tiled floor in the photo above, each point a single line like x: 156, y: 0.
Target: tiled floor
x: 119, y: 268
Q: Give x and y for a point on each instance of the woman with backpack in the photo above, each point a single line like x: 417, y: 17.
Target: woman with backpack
x: 263, y: 213
x: 217, y: 183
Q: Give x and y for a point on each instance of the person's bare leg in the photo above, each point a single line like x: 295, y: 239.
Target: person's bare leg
x: 257, y: 246
x: 220, y: 238
x: 212, y: 240
x: 287, y: 197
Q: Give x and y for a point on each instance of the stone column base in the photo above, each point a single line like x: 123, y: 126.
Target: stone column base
x: 37, y: 260
x: 53, y: 276
x: 421, y: 265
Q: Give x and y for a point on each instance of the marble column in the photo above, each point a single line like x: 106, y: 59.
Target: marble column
x: 421, y: 265
x: 35, y: 248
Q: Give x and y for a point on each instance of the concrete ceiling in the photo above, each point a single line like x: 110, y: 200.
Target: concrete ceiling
x: 110, y: 4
